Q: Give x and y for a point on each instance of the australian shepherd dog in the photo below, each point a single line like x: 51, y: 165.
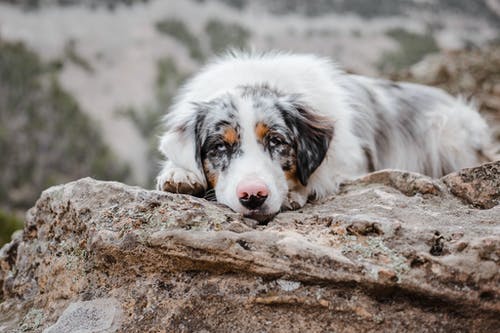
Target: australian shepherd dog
x: 266, y: 132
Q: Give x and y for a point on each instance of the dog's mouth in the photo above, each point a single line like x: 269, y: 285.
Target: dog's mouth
x: 259, y: 216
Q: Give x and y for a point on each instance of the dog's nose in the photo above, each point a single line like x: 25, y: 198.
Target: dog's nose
x: 252, y: 193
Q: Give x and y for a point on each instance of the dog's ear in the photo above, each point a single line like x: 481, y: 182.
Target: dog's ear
x: 199, y: 132
x: 312, y: 133
x: 181, y: 144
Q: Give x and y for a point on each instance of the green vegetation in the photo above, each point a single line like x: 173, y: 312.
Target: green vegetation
x: 372, y: 9
x: 177, y: 29
x: 317, y: 8
x: 356, y: 33
x: 8, y: 224
x: 238, y: 4
x: 323, y: 32
x: 226, y: 35
x: 109, y: 4
x: 72, y: 55
x: 221, y: 36
x: 45, y: 139
x: 148, y: 119
x: 413, y: 47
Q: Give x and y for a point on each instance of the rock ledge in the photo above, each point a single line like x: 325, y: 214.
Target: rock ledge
x: 394, y: 251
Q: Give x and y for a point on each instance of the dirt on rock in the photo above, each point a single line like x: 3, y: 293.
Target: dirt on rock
x: 392, y: 252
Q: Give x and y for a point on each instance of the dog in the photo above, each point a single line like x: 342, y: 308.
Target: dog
x: 266, y: 132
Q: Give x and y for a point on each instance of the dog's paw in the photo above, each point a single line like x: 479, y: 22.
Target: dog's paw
x: 295, y: 200
x: 179, y: 180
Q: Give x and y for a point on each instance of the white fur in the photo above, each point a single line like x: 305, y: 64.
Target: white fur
x: 253, y: 164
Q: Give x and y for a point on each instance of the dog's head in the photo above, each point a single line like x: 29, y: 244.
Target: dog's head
x: 254, y: 145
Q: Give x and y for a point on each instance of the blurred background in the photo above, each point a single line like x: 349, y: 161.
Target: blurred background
x: 84, y: 83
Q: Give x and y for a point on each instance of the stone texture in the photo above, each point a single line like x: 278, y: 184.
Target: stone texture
x: 392, y: 252
x: 477, y: 186
x: 98, y: 315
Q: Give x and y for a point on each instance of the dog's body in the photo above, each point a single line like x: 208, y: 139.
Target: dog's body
x: 269, y: 131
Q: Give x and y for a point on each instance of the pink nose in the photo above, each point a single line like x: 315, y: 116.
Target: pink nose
x: 252, y: 193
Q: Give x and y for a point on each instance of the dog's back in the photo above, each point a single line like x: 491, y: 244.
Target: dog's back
x: 414, y: 127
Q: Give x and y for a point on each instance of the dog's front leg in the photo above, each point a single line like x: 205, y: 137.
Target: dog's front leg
x: 175, y: 179
x: 296, y: 198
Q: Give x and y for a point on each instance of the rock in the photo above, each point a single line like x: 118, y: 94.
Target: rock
x: 98, y: 315
x: 477, y: 186
x: 393, y: 251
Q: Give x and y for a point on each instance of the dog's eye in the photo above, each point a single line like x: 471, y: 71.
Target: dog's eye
x: 275, y: 141
x: 219, y: 147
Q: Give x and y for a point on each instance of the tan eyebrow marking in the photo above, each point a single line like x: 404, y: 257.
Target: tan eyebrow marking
x: 230, y: 136
x: 261, y: 131
x: 292, y: 174
x: 210, y: 174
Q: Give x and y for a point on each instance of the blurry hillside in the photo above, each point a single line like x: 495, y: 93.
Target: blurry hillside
x: 84, y: 83
x: 45, y: 138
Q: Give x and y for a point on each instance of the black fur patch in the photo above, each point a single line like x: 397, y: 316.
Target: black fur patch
x: 219, y: 152
x: 312, y: 134
x: 213, y: 151
x: 281, y: 146
x: 199, y: 124
x: 369, y: 159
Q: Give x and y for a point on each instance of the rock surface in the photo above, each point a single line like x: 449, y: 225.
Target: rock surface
x: 392, y: 252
